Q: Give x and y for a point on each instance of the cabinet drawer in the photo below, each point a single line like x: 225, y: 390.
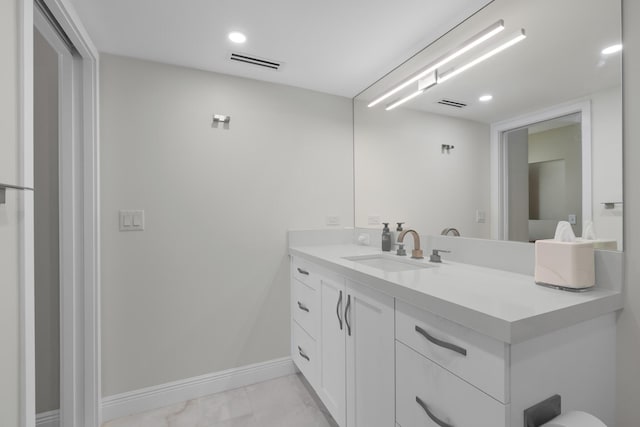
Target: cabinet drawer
x: 305, y: 272
x: 422, y: 385
x: 478, y: 359
x: 304, y: 352
x: 304, y: 307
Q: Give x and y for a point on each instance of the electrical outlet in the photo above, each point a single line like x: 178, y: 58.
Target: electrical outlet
x: 480, y: 217
x: 373, y: 220
x: 333, y: 220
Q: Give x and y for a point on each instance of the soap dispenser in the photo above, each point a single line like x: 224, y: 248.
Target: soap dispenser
x: 386, y: 238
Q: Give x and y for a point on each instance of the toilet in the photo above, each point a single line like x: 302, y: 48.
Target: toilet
x: 575, y: 419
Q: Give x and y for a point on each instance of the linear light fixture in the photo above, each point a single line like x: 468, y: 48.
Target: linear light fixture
x: 518, y: 37
x: 403, y: 100
x: 469, y: 44
x: 423, y: 84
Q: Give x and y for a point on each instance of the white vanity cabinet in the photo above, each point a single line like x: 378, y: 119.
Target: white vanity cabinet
x: 378, y: 355
x: 354, y: 374
x: 450, y: 375
x: 305, y: 319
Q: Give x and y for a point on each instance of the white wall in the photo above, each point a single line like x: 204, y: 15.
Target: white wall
x: 9, y: 215
x: 628, y: 381
x: 205, y: 287
x: 47, y: 272
x: 402, y: 175
x: 606, y: 132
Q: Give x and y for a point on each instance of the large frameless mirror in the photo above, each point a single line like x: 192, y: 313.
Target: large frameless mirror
x: 509, y: 123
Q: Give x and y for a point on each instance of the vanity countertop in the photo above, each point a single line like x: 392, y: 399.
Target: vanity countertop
x: 506, y: 306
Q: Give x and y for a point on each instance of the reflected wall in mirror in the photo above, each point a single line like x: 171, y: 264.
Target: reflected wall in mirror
x: 405, y: 172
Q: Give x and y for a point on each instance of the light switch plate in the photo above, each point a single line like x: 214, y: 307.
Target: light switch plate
x: 480, y: 216
x: 131, y: 220
x: 573, y: 219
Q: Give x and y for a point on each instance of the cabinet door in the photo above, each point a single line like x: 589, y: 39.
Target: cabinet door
x: 331, y: 386
x: 369, y: 322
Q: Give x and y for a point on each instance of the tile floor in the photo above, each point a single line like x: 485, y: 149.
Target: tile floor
x: 281, y: 402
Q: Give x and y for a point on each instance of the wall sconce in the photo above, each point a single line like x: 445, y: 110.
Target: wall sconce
x: 221, y: 118
x: 446, y: 148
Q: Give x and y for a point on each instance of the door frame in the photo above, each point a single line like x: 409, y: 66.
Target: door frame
x: 499, y: 159
x: 80, y: 254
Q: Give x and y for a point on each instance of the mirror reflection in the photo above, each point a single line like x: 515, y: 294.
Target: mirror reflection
x: 500, y: 132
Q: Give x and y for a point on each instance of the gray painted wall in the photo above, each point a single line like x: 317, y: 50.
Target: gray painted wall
x: 628, y: 382
x: 205, y: 287
x: 47, y: 272
x: 9, y: 349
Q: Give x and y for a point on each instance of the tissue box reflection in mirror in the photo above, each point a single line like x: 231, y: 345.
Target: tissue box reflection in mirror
x: 565, y: 265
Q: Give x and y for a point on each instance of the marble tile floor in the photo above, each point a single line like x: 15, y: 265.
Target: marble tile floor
x: 282, y: 402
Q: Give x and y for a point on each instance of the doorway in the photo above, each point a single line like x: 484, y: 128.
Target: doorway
x: 65, y: 355
x: 46, y: 129
x: 544, y: 183
x: 514, y: 175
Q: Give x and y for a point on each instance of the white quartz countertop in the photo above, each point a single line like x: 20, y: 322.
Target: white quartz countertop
x: 506, y: 306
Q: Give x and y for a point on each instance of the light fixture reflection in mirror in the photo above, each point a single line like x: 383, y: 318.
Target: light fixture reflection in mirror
x: 466, y: 46
x: 399, y: 170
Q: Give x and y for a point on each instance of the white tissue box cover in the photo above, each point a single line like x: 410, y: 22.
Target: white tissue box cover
x: 607, y: 245
x: 568, y: 264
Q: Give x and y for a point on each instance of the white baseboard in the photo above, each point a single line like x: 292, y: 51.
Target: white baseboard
x: 155, y: 397
x: 48, y: 419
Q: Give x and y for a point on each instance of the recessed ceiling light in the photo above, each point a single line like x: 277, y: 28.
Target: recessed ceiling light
x: 485, y: 98
x: 237, y: 37
x: 612, y: 49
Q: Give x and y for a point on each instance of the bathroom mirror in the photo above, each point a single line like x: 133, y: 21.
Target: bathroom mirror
x: 445, y: 158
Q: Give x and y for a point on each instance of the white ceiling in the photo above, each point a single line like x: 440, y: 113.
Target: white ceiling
x: 332, y: 46
x: 559, y: 61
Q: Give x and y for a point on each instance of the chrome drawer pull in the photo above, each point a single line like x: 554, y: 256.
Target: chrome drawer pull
x: 431, y: 415
x: 347, y: 313
x: 301, y: 271
x: 441, y: 343
x: 302, y: 307
x: 303, y: 355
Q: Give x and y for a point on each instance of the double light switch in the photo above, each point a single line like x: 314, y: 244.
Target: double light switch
x: 131, y: 220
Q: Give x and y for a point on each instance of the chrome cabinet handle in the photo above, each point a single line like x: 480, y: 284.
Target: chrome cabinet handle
x: 441, y: 343
x: 302, y: 354
x: 302, y: 307
x: 338, y: 310
x: 431, y: 415
x: 301, y: 271
x: 346, y: 316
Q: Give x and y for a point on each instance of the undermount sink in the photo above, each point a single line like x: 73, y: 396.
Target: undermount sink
x: 386, y: 263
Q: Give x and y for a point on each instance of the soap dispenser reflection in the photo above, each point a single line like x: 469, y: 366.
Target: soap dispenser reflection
x: 394, y: 240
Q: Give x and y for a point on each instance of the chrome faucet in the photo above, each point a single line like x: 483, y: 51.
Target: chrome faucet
x: 417, y: 252
x: 451, y: 230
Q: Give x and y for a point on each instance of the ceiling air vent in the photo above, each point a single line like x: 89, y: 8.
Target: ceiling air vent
x: 260, y: 62
x: 451, y: 103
